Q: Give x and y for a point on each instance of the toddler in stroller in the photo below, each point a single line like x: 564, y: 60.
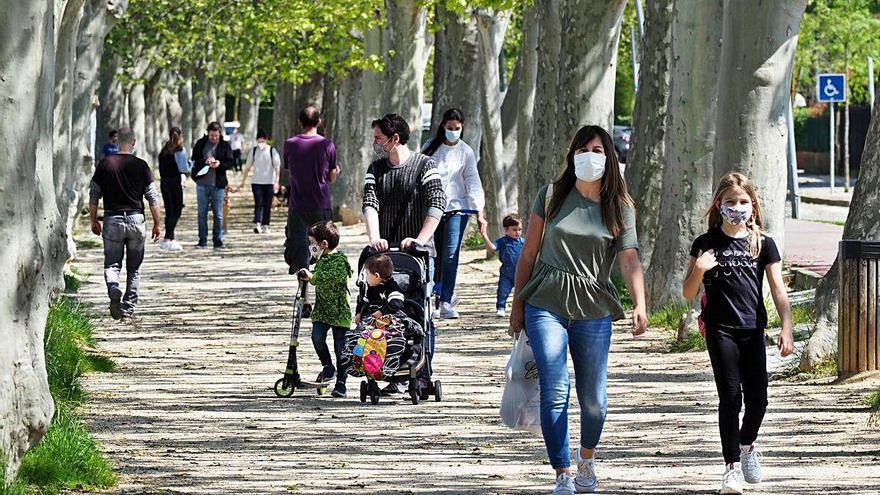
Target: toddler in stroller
x: 390, y: 340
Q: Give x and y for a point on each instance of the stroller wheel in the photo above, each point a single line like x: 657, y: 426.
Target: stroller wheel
x: 438, y: 391
x: 281, y: 390
x: 364, y: 392
x: 374, y: 398
x: 414, y: 391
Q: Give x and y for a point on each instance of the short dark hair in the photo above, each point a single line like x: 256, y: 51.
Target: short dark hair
x: 215, y: 126
x: 261, y: 134
x: 381, y: 265
x: 511, y: 220
x: 392, y: 124
x: 112, y: 133
x: 309, y: 116
x: 325, y: 231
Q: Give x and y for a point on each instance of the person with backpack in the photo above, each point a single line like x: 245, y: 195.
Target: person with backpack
x: 265, y: 162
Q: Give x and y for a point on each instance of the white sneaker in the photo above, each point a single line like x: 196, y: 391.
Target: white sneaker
x: 732, y: 483
x: 447, y: 312
x: 175, y: 246
x: 256, y: 228
x: 165, y: 245
x: 264, y: 229
x: 750, y: 459
x: 564, y: 484
x: 585, y: 481
x: 500, y: 313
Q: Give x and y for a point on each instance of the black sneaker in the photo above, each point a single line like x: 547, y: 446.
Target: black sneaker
x: 338, y: 390
x: 219, y: 245
x: 115, y: 306
x: 327, y: 374
x: 202, y: 245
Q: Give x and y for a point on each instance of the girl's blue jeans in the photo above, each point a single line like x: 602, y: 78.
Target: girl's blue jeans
x: 551, y: 338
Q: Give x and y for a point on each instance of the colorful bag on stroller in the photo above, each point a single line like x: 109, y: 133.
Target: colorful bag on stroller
x: 375, y: 348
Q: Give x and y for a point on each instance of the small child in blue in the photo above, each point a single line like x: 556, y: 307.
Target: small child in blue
x: 508, y: 248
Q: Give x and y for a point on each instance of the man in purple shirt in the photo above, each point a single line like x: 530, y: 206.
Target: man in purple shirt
x: 311, y: 162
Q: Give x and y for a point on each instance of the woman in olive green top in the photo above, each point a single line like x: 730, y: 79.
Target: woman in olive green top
x: 564, y: 298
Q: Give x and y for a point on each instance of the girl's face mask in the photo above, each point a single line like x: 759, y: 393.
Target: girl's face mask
x: 736, y: 215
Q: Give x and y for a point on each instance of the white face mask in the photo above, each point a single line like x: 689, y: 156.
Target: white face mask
x: 262, y: 145
x: 315, y: 251
x: 453, y: 136
x: 589, y: 166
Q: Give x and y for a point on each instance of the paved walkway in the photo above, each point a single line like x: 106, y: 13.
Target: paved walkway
x: 811, y: 245
x: 190, y: 407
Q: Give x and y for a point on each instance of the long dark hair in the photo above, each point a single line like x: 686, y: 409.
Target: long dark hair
x: 174, y: 143
x: 614, y: 197
x: 451, y: 114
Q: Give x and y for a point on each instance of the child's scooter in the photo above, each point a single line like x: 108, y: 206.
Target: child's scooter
x: 291, y: 381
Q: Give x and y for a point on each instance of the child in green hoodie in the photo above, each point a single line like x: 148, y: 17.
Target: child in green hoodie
x: 332, y: 310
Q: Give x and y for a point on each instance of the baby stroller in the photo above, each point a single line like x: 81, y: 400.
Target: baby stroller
x: 411, y: 275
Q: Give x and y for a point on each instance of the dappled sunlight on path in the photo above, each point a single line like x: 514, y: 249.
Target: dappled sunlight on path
x: 190, y: 407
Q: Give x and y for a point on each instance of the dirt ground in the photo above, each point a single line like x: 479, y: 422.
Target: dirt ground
x: 190, y: 407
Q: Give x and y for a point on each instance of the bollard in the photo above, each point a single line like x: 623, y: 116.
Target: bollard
x: 859, y: 307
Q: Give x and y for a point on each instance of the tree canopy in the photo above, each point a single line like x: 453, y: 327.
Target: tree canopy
x: 837, y: 35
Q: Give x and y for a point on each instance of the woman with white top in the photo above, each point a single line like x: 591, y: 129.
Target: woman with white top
x: 265, y: 162
x: 457, y: 164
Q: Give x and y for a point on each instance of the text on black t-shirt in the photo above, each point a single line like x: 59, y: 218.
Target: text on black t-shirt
x: 734, y: 288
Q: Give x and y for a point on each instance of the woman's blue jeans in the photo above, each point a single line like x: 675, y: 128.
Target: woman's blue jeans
x: 589, y: 341
x: 448, y: 238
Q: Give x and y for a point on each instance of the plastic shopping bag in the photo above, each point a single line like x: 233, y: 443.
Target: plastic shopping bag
x: 521, y: 402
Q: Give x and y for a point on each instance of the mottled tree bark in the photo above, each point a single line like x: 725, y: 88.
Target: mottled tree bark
x: 405, y: 60
x: 31, y: 231
x: 248, y: 114
x: 862, y: 223
x: 491, y: 27
x: 647, y: 155
x: 456, y: 54
x: 185, y: 97
x: 358, y: 103
x: 575, y: 83
x: 587, y: 66
x: 753, y: 96
x: 545, y: 151
x: 686, y: 178
x: 111, y: 101
x: 525, y: 105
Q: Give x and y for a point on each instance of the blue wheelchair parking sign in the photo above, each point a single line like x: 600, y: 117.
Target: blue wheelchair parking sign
x: 832, y: 88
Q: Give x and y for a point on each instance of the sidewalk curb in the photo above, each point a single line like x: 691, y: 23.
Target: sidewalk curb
x: 825, y: 201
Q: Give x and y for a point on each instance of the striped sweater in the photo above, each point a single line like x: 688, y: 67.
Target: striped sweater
x: 404, y: 196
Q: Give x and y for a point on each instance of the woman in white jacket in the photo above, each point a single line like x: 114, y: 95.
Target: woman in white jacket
x: 457, y: 164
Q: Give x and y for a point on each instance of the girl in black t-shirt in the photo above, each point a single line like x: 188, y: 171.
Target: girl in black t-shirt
x: 730, y: 260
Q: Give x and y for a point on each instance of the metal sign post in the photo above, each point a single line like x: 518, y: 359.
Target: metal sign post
x: 831, y: 89
x: 792, y: 167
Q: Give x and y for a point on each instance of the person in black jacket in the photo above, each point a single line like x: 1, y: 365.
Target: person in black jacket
x: 212, y: 157
x: 383, y: 295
